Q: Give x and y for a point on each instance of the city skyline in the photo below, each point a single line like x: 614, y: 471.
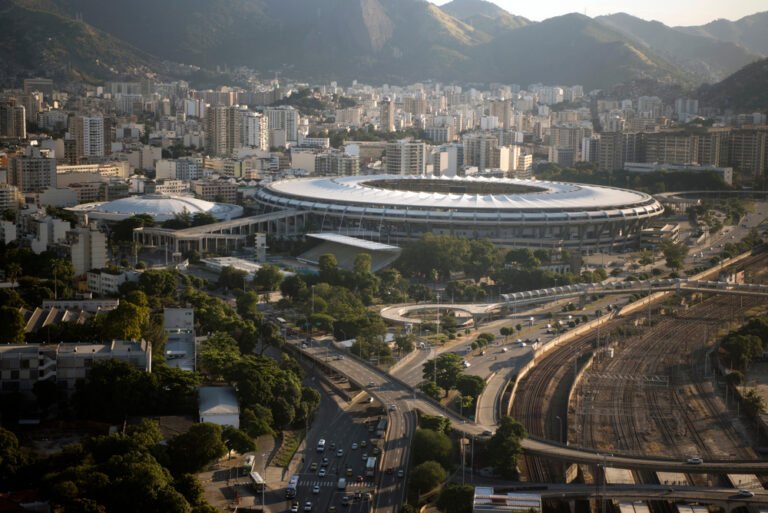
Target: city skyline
x: 677, y: 13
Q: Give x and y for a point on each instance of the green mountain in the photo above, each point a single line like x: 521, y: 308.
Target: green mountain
x: 745, y: 90
x: 484, y: 16
x: 708, y: 59
x: 570, y: 49
x: 40, y: 42
x: 749, y: 32
x: 369, y: 40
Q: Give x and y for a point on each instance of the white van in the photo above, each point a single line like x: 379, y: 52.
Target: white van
x: 342, y: 483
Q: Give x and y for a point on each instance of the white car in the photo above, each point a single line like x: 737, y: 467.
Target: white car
x: 308, y: 506
x: 746, y: 493
x: 316, y: 489
x: 392, y: 407
x: 466, y: 364
x: 340, y: 453
x: 321, y: 473
x: 354, y: 446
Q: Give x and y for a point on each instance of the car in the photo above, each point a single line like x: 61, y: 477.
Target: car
x: 340, y: 453
x: 504, y: 349
x: 482, y: 353
x: 346, y: 500
x: 359, y: 479
x: 313, y: 467
x: 304, y: 345
x: 365, y: 456
x: 364, y: 444
x: 694, y: 460
x: 370, y: 400
x: 400, y: 473
x: 746, y: 493
x: 308, y: 506
x: 324, y: 463
x: 349, y: 471
x: 332, y: 509
x: 487, y: 433
x: 316, y: 489
x: 333, y: 445
x: 295, y: 507
x: 322, y: 472
x: 371, y: 384
x: 466, y: 364
x: 371, y: 428
x: 392, y: 407
x: 354, y: 446
x: 390, y: 470
x: 339, y: 357
x: 376, y: 451
x: 368, y: 496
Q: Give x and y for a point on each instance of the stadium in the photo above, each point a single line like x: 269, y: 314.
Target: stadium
x: 510, y: 212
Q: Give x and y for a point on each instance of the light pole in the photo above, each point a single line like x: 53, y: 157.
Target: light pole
x: 438, y: 314
x: 311, y: 316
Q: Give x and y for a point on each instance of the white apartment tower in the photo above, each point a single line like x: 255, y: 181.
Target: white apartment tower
x: 89, y: 137
x: 254, y: 130
x: 286, y: 119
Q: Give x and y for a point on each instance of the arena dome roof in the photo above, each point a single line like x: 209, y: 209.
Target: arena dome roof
x: 161, y: 207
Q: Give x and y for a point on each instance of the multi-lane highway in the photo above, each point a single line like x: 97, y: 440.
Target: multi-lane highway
x: 394, y: 392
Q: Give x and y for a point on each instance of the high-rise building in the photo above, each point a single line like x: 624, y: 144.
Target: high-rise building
x: 749, y: 151
x: 406, y: 157
x: 89, y: 137
x: 35, y: 171
x: 13, y: 121
x: 286, y: 119
x: 387, y: 115
x: 254, y: 130
x: 222, y: 130
x: 480, y: 150
x: 670, y: 148
x: 610, y: 151
x: 502, y: 109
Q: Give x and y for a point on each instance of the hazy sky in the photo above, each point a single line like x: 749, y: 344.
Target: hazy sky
x: 670, y: 12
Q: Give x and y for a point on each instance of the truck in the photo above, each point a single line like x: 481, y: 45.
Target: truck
x: 342, y: 483
x: 293, y: 484
x: 370, y: 467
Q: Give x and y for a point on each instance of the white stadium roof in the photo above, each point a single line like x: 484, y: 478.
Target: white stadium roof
x: 162, y: 207
x: 546, y: 196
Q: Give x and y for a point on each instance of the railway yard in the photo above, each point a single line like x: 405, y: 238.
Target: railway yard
x: 644, y: 385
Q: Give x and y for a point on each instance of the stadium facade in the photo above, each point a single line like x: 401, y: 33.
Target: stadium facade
x: 510, y: 212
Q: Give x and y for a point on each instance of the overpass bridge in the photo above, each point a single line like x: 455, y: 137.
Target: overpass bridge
x: 392, y: 391
x: 403, y: 314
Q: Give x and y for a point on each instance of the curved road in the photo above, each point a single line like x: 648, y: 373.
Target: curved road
x: 391, y: 391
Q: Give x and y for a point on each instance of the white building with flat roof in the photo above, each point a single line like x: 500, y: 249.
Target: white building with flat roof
x: 21, y: 366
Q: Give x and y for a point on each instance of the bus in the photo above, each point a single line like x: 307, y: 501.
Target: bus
x: 293, y: 484
x: 370, y: 467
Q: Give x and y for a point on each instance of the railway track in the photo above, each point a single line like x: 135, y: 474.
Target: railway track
x: 664, y: 349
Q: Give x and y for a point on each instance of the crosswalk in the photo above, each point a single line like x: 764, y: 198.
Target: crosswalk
x: 333, y: 482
